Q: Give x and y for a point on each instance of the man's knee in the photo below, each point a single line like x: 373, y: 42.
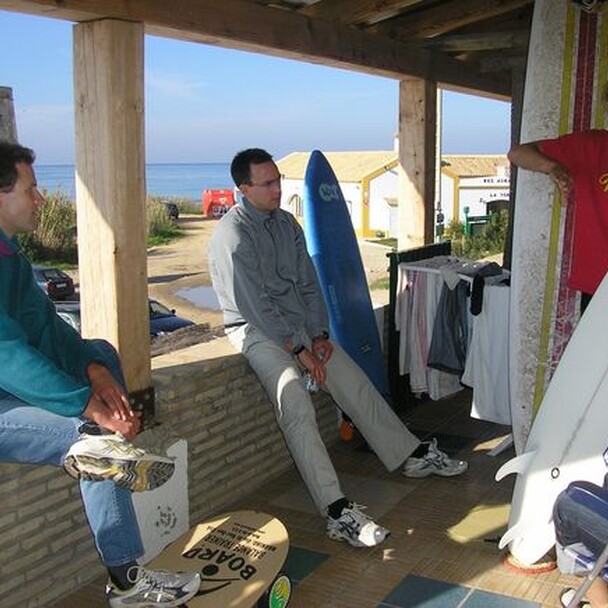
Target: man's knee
x: 295, y: 408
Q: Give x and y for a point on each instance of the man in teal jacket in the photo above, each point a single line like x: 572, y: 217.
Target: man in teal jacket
x: 63, y: 402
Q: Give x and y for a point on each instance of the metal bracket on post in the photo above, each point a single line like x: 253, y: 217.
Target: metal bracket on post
x: 143, y: 401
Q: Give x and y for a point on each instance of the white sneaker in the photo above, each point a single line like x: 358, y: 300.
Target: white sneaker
x: 154, y: 588
x: 99, y: 457
x: 356, y: 528
x: 434, y: 462
x: 567, y: 596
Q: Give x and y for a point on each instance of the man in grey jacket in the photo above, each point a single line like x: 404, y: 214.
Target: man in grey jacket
x: 275, y: 315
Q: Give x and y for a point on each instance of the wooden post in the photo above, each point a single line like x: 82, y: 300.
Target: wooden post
x: 417, y: 161
x: 8, y: 124
x: 110, y: 190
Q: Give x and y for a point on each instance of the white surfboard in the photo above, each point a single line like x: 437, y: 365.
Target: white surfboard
x: 568, y: 438
x: 563, y: 91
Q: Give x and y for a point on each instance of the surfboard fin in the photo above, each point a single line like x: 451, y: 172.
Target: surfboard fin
x: 529, y: 541
x: 519, y: 464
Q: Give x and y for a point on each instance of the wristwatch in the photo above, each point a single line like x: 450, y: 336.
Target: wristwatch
x: 324, y: 335
x: 297, y: 349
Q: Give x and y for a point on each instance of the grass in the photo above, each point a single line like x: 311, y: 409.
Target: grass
x: 378, y: 284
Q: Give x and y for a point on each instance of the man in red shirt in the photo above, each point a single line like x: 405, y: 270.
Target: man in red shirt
x: 578, y: 165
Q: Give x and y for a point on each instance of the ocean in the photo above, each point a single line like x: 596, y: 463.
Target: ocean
x: 179, y: 180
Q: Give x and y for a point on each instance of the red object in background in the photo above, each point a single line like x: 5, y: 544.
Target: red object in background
x: 217, y: 202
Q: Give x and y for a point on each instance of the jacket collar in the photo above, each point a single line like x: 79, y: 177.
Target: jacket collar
x: 254, y: 213
x: 8, y: 247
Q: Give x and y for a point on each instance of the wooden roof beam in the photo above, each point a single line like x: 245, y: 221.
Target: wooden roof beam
x: 486, y: 41
x: 356, y: 12
x: 444, y: 18
x: 248, y: 26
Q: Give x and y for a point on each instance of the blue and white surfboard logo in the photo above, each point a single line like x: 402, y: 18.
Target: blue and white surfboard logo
x: 329, y: 192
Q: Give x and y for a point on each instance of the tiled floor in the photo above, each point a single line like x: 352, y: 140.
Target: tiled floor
x: 442, y: 552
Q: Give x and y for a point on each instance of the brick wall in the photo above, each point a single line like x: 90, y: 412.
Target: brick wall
x: 205, y: 394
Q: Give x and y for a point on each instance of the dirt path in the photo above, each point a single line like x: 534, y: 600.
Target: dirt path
x: 182, y: 265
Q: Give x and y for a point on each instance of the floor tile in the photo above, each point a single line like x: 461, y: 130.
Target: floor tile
x: 301, y: 562
x: 420, y: 592
x: 484, y: 599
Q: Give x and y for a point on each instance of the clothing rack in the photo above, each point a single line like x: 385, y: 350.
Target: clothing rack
x: 401, y: 396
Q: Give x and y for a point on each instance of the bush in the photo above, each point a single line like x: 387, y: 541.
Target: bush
x: 161, y: 228
x: 490, y: 242
x: 55, y: 236
x: 54, y: 240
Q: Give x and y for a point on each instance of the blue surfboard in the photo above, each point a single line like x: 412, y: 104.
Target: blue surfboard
x: 332, y: 244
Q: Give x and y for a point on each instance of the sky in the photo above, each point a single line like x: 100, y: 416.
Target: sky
x: 203, y: 103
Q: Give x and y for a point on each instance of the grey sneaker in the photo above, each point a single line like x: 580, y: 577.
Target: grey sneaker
x: 99, y: 457
x: 434, y: 462
x: 356, y: 528
x: 154, y: 588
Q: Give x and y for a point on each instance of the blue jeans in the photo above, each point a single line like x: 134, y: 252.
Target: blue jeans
x: 577, y: 523
x: 32, y: 435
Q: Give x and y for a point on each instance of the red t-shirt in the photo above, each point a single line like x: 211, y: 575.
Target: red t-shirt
x: 585, y: 155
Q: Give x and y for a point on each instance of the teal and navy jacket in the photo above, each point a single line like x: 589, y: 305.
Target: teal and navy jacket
x: 43, y: 360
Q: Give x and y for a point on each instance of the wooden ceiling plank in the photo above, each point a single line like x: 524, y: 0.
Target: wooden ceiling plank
x: 357, y: 12
x: 485, y: 41
x: 248, y: 26
x: 445, y: 17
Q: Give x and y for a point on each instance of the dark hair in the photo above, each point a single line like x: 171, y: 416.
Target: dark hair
x: 10, y: 155
x: 240, y: 168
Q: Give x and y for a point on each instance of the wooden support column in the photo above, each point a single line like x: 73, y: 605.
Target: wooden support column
x: 111, y: 191
x: 8, y: 124
x: 417, y: 160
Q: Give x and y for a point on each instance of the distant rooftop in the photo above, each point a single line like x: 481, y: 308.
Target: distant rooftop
x: 348, y: 166
x: 473, y: 165
x: 354, y: 166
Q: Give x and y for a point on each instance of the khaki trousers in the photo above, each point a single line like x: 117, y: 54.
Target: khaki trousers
x: 350, y: 388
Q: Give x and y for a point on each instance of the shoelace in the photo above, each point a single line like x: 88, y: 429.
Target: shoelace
x: 156, y: 580
x: 122, y: 446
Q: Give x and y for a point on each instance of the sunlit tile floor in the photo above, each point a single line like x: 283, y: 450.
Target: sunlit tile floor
x: 442, y: 552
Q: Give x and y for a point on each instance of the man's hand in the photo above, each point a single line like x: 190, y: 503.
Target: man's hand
x: 322, y: 349
x: 562, y: 179
x: 98, y: 412
x: 314, y: 365
x: 109, y: 405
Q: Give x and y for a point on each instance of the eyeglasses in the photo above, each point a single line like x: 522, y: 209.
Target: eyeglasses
x: 271, y: 183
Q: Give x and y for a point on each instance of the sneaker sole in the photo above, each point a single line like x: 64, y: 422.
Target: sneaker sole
x: 354, y: 543
x: 135, y: 475
x: 439, y: 473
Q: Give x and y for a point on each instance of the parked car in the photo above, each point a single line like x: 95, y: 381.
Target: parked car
x: 172, y: 210
x: 54, y: 282
x: 162, y: 319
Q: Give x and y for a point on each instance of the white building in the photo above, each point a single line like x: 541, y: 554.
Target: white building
x: 471, y: 182
x: 369, y: 184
